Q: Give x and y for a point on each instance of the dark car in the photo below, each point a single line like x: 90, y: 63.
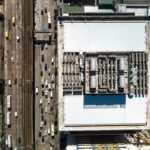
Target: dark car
x: 49, y: 25
x: 42, y: 58
x: 45, y: 122
x: 42, y: 85
x: 52, y: 142
x: 19, y: 140
x: 42, y: 13
x: 43, y: 139
x: 42, y: 93
x: 45, y: 10
x: 42, y: 117
x: 39, y: 133
x: 45, y: 67
x: 15, y: 80
x: 50, y: 39
x: 41, y: 73
x: 42, y: 47
x: 42, y: 110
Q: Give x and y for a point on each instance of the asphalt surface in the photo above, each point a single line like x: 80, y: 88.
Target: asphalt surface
x: 45, y: 73
x: 13, y: 70
x: 18, y: 68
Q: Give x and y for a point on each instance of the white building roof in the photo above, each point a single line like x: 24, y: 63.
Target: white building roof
x: 104, y: 36
x: 138, y: 11
x: 95, y: 9
x: 75, y: 113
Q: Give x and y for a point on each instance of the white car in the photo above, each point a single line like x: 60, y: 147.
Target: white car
x: 41, y: 124
x: 16, y: 114
x: 18, y: 39
x: 49, y: 131
x: 36, y: 90
x: 12, y: 59
x: 46, y: 93
x: 46, y: 45
x: 41, y: 101
x: 49, y: 86
x: 9, y: 82
x: 45, y: 109
x: 52, y: 78
x: 52, y: 61
x: 48, y: 101
x: 51, y: 94
x: 45, y: 132
x: 53, y: 85
x: 6, y: 142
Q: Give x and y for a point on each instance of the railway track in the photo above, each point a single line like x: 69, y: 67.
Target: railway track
x: 27, y: 75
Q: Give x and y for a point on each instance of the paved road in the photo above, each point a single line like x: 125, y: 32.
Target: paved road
x: 48, y: 51
x: 13, y: 70
x: 2, y: 120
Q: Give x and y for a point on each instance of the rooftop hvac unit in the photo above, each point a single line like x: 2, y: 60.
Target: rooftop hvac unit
x: 93, y: 82
x: 93, y: 64
x: 122, y: 81
x: 121, y: 63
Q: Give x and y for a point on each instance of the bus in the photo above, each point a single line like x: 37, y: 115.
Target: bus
x: 6, y: 34
x: 8, y: 118
x: 9, y: 102
x: 9, y: 141
x: 52, y: 130
x: 49, y: 20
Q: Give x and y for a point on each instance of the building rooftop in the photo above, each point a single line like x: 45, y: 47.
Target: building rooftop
x: 104, y: 110
x: 103, y: 75
x: 104, y: 36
